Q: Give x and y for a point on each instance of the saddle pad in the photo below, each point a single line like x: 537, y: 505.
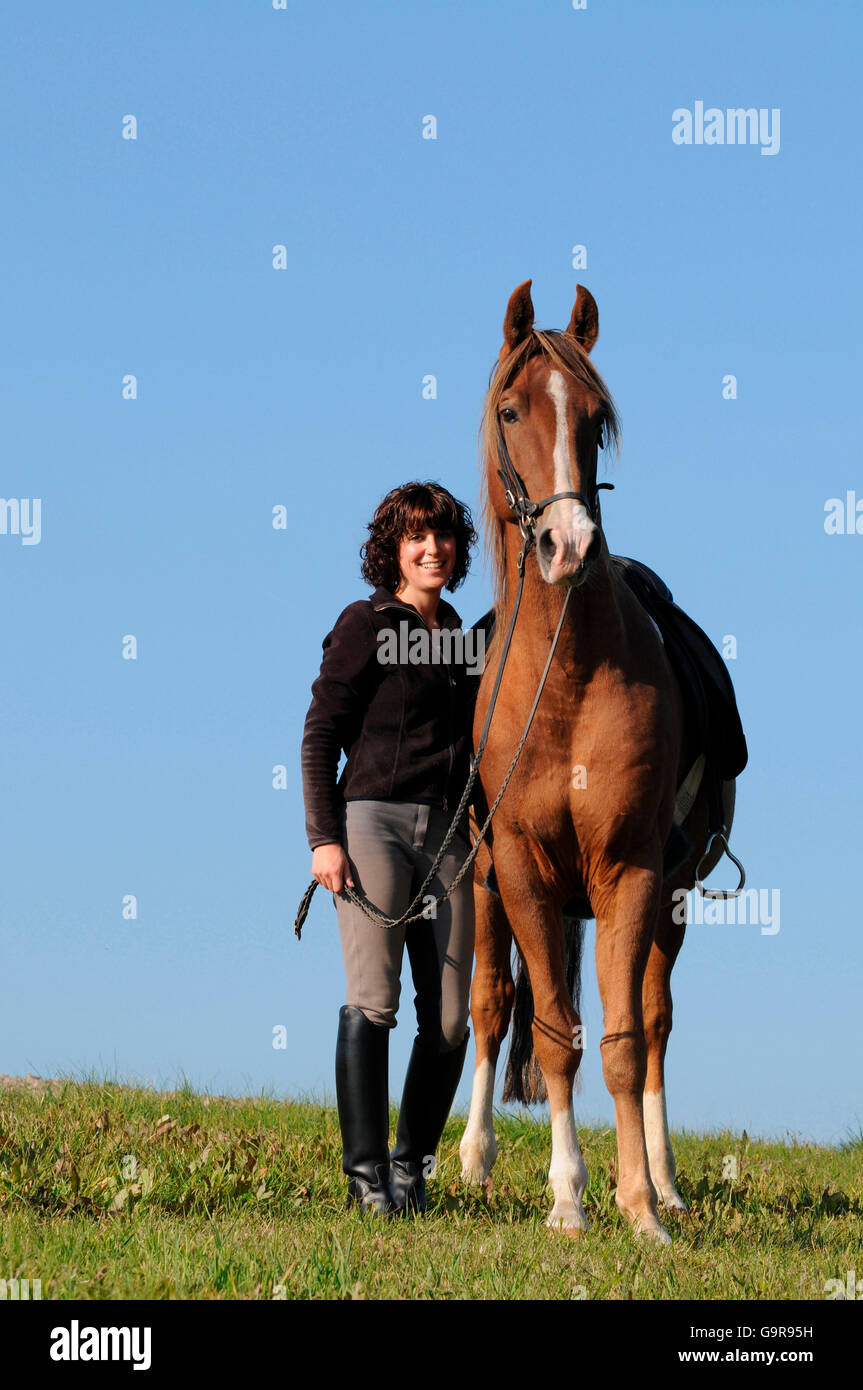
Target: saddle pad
x: 708, y: 694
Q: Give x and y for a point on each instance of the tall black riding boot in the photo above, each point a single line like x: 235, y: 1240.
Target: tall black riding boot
x: 362, y: 1092
x: 431, y: 1082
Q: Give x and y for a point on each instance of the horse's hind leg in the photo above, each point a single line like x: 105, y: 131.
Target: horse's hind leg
x: 656, y: 994
x: 656, y: 1004
x: 491, y: 999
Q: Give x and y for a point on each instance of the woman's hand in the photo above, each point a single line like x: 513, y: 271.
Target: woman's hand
x: 331, y: 868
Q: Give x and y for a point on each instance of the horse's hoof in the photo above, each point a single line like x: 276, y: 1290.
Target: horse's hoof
x: 568, y: 1221
x: 672, y: 1201
x: 568, y: 1232
x: 476, y: 1162
x: 653, y: 1230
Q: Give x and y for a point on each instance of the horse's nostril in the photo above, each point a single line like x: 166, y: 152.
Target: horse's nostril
x: 545, y: 544
x: 592, y: 551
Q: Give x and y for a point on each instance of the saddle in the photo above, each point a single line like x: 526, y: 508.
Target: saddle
x: 712, y: 719
x: 713, y: 733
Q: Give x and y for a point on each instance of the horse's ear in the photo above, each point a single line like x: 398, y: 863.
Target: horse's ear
x: 519, y: 319
x: 584, y: 324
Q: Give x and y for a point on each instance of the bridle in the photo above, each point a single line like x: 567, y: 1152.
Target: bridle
x: 525, y: 511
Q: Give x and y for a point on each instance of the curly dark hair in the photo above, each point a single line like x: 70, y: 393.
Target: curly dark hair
x: 415, y: 507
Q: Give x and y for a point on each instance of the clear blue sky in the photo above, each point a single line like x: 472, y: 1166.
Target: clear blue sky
x: 302, y: 386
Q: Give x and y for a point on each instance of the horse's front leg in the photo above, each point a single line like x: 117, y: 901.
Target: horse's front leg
x: 490, y: 1006
x: 537, y: 924
x: 626, y: 915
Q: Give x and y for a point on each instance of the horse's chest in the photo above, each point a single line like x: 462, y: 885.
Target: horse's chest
x: 597, y: 752
x: 591, y: 768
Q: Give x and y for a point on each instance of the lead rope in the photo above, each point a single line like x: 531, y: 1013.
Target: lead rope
x: 360, y: 901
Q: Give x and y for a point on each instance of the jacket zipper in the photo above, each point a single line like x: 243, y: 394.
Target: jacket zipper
x: 405, y: 607
x: 451, y: 746
x: 449, y: 774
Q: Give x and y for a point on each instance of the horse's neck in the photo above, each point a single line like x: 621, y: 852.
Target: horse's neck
x: 592, y: 631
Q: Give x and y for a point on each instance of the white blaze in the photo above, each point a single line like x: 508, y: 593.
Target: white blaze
x: 570, y: 519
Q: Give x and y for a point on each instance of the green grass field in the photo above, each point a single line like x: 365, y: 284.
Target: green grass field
x: 110, y: 1192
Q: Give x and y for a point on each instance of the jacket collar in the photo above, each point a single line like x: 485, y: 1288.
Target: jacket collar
x: 446, y: 614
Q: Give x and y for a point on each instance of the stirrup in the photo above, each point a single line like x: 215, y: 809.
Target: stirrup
x: 722, y: 836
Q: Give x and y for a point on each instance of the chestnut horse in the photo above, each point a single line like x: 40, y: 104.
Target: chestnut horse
x: 591, y: 802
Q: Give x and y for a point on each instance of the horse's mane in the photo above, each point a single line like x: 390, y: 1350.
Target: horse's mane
x: 563, y: 350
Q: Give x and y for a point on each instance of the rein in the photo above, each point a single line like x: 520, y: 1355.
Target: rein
x: 526, y: 513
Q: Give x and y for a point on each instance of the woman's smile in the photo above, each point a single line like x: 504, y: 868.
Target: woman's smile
x: 426, y: 560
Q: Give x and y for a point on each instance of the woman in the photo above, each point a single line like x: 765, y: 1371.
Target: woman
x: 400, y: 704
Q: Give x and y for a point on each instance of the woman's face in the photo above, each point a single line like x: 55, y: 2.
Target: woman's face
x: 427, y: 559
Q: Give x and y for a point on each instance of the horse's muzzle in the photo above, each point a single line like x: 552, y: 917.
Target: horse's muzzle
x: 565, y: 560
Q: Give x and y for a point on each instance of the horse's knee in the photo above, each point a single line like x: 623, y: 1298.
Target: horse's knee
x: 624, y: 1062
x: 491, y: 1002
x: 657, y: 1026
x: 558, y: 1049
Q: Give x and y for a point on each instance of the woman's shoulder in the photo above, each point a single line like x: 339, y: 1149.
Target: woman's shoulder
x: 359, y: 608
x: 355, y: 618
x: 371, y: 612
x: 350, y: 644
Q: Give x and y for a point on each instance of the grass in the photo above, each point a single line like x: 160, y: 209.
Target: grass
x: 110, y: 1192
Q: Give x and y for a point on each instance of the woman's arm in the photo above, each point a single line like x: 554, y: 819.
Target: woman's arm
x: 339, y: 699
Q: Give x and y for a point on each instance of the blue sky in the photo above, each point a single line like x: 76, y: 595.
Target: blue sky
x: 258, y: 387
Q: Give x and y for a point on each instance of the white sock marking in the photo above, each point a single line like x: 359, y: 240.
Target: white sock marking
x: 478, y: 1148
x: 567, y: 1174
x: 660, y: 1155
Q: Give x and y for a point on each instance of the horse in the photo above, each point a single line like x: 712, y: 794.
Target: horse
x: 590, y: 805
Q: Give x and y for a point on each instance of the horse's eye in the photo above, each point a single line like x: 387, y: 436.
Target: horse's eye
x: 508, y: 415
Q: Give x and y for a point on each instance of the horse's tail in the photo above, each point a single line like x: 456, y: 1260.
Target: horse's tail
x: 523, y: 1080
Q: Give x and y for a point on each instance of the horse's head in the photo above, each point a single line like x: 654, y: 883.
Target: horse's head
x: 554, y: 413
